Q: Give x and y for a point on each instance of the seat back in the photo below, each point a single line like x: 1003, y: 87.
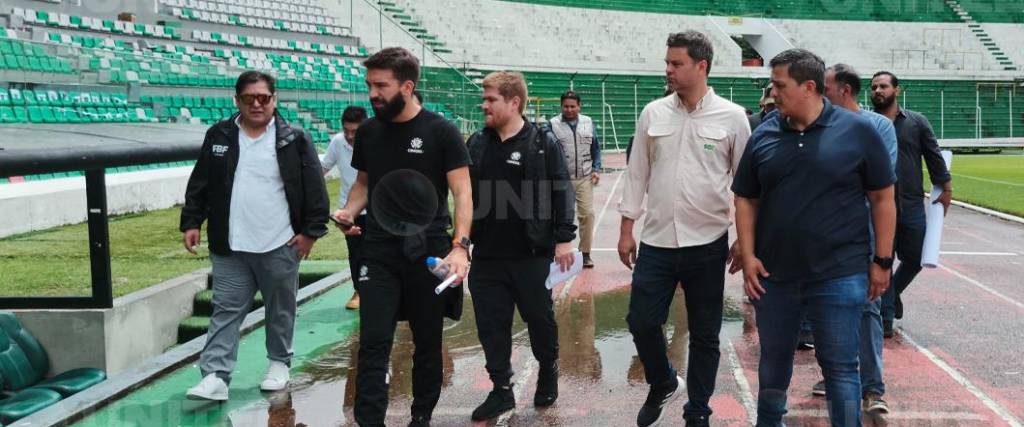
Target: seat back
x: 38, y: 363
x: 15, y: 367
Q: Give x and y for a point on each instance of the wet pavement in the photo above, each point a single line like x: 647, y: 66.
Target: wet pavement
x: 956, y: 359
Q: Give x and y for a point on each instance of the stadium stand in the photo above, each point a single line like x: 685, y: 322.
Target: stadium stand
x: 867, y: 10
x: 65, y: 64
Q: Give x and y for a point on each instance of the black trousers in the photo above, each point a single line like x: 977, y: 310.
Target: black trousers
x: 658, y: 271
x: 500, y: 285
x: 355, y: 249
x: 394, y: 286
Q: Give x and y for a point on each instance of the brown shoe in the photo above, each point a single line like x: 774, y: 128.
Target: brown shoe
x: 873, y: 403
x: 353, y: 303
x: 587, y: 262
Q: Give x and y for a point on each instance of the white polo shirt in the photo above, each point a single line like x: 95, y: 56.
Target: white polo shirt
x: 259, y: 221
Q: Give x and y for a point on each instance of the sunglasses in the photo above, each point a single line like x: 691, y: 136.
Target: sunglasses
x: 250, y: 99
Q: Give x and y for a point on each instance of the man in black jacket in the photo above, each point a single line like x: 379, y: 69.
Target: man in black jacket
x: 258, y: 183
x: 523, y: 217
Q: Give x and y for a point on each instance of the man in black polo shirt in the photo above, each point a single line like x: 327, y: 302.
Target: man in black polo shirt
x: 915, y: 139
x: 523, y: 216
x: 803, y: 234
x: 394, y: 282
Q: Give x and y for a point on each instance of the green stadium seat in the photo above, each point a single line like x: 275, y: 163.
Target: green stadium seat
x: 26, y: 402
x: 7, y: 115
x: 20, y: 114
x: 28, y: 363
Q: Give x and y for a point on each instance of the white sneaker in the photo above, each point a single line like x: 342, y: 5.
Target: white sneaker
x: 210, y: 388
x: 277, y: 377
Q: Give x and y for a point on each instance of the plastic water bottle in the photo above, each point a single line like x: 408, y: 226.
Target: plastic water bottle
x: 438, y: 267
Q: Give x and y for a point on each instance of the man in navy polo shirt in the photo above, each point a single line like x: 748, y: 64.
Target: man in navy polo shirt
x: 803, y: 234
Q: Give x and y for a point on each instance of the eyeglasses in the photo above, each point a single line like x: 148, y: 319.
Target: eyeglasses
x: 249, y: 99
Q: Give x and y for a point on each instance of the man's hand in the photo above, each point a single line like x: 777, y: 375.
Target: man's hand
x: 303, y: 244
x: 191, y: 239
x: 946, y: 198
x: 346, y: 223
x: 595, y: 178
x: 627, y: 249
x: 734, y: 259
x: 564, y: 255
x: 753, y: 271
x: 879, y: 281
x: 458, y: 263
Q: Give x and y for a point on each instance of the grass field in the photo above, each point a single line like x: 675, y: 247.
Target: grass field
x: 992, y: 181
x: 145, y: 250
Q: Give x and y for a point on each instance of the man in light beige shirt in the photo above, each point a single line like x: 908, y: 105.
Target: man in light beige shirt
x: 685, y: 150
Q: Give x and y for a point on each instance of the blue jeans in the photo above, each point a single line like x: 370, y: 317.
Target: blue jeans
x: 910, y: 229
x: 701, y: 270
x: 871, y: 348
x: 834, y: 308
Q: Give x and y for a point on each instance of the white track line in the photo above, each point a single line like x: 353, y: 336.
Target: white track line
x: 518, y: 388
x: 746, y: 395
x: 993, y: 181
x: 899, y: 415
x: 600, y: 217
x: 983, y: 287
x: 960, y: 378
x: 978, y: 253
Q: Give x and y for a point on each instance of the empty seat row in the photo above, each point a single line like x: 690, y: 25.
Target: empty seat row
x: 308, y: 14
x: 247, y: 21
x: 280, y: 44
x: 42, y: 17
x: 18, y: 97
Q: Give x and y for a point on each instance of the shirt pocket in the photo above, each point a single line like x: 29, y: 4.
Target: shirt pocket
x: 660, y: 134
x: 713, y: 145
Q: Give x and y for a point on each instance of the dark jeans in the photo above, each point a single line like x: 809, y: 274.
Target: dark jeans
x: 910, y: 229
x: 355, y: 248
x: 834, y: 308
x: 393, y: 285
x: 658, y: 271
x: 498, y: 286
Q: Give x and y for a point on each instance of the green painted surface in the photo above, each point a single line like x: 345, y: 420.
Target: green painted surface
x: 320, y: 325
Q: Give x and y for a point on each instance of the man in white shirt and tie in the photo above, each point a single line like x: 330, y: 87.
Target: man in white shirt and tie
x: 687, y: 145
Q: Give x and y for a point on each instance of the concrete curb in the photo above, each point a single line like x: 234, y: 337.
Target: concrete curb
x: 79, y: 406
x: 986, y: 211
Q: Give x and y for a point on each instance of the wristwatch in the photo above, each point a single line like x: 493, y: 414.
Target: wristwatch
x: 463, y: 243
x: 884, y: 262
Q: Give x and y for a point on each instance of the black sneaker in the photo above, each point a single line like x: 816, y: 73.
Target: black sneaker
x: 587, y: 262
x: 819, y: 388
x: 653, y: 409
x: 698, y: 421
x: 898, y: 307
x: 547, y: 386
x: 499, y: 401
x: 887, y: 329
x: 806, y: 341
x: 419, y: 421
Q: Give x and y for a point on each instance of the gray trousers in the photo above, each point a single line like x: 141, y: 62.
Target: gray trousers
x: 236, y: 278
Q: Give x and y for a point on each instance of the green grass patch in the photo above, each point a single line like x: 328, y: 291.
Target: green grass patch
x: 993, y: 181
x: 145, y: 250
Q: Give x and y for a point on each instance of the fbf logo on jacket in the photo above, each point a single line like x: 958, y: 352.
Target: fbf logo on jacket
x: 219, y: 150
